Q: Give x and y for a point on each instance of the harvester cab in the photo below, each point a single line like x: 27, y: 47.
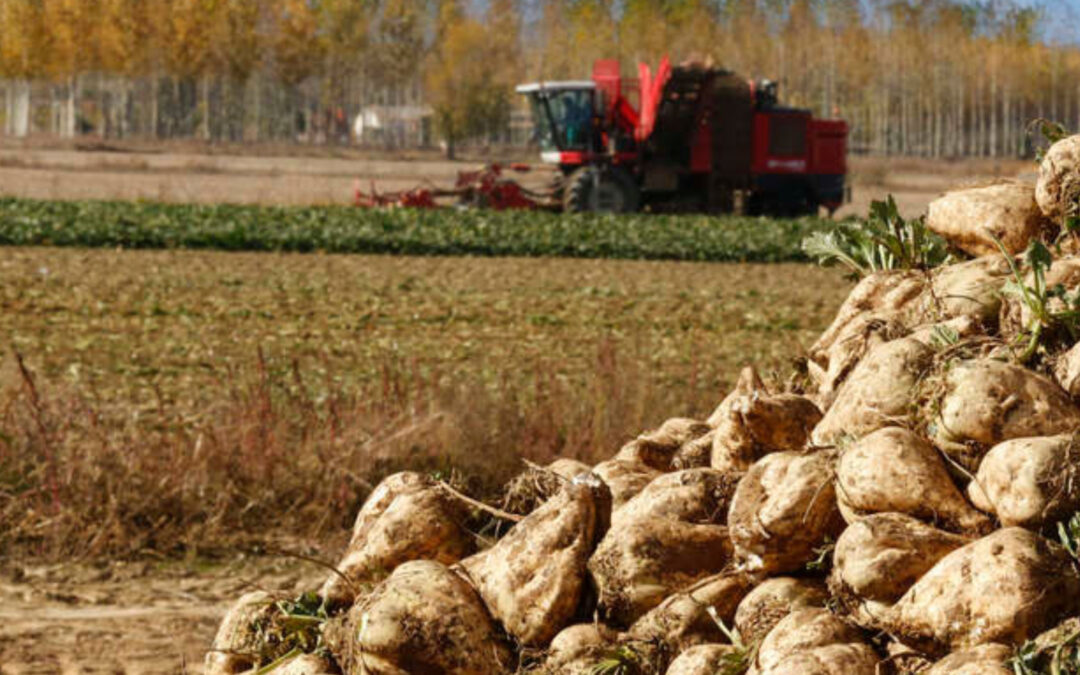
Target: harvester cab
x: 564, y: 114
x: 687, y: 138
x: 574, y: 129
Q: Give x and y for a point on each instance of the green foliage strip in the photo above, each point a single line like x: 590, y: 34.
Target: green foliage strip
x: 345, y: 229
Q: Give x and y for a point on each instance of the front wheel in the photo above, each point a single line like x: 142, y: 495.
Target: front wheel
x: 601, y: 190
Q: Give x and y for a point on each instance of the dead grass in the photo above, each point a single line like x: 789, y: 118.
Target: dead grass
x: 185, y: 402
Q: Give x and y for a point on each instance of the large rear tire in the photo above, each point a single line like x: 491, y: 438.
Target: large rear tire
x: 601, y: 190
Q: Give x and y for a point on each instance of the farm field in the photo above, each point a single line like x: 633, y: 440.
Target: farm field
x: 186, y: 403
x: 178, y: 423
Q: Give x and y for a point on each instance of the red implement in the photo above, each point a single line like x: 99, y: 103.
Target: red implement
x: 484, y: 188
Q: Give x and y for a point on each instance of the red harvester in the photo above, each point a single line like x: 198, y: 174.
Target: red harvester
x: 690, y: 138
x: 700, y: 139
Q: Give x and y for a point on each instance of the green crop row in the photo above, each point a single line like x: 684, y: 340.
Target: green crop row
x: 343, y: 229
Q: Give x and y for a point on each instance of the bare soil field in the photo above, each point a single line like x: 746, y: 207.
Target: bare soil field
x: 181, y: 174
x: 914, y: 183
x: 65, y: 174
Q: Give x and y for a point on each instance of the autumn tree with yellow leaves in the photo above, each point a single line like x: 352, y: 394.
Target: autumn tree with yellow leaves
x: 18, y: 61
x: 470, y: 75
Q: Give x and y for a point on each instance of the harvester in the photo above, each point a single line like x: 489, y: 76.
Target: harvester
x: 689, y: 138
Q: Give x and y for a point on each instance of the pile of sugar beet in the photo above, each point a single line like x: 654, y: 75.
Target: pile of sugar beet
x: 900, y: 512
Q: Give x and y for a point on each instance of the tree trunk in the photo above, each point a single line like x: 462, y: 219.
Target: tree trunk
x: 984, y: 122
x: 125, y: 107
x: 68, y: 116
x: 993, y: 142
x: 256, y: 112
x: 20, y: 118
x: 104, y: 111
x: 204, y: 108
x: 1006, y: 124
x: 1054, y: 88
x: 174, y: 106
x: 451, y: 150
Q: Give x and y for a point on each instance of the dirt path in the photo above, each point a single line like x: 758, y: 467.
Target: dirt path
x: 180, y: 177
x: 191, y: 177
x: 126, y: 618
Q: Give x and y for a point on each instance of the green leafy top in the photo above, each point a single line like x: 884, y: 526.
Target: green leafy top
x: 884, y: 241
x: 622, y: 660
x: 1045, y: 315
x: 742, y: 658
x: 1051, y: 132
x: 1069, y: 535
x: 295, y: 627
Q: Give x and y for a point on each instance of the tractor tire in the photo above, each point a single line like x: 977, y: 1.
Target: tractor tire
x: 601, y: 190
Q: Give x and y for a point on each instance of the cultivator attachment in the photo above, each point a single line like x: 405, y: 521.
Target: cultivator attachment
x: 485, y: 188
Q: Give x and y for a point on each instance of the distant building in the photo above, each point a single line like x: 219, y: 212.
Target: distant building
x: 393, y: 126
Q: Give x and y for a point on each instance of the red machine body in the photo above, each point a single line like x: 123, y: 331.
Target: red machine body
x: 687, y: 138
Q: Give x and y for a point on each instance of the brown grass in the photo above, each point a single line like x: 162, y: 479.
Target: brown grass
x: 161, y: 403
x: 271, y: 460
